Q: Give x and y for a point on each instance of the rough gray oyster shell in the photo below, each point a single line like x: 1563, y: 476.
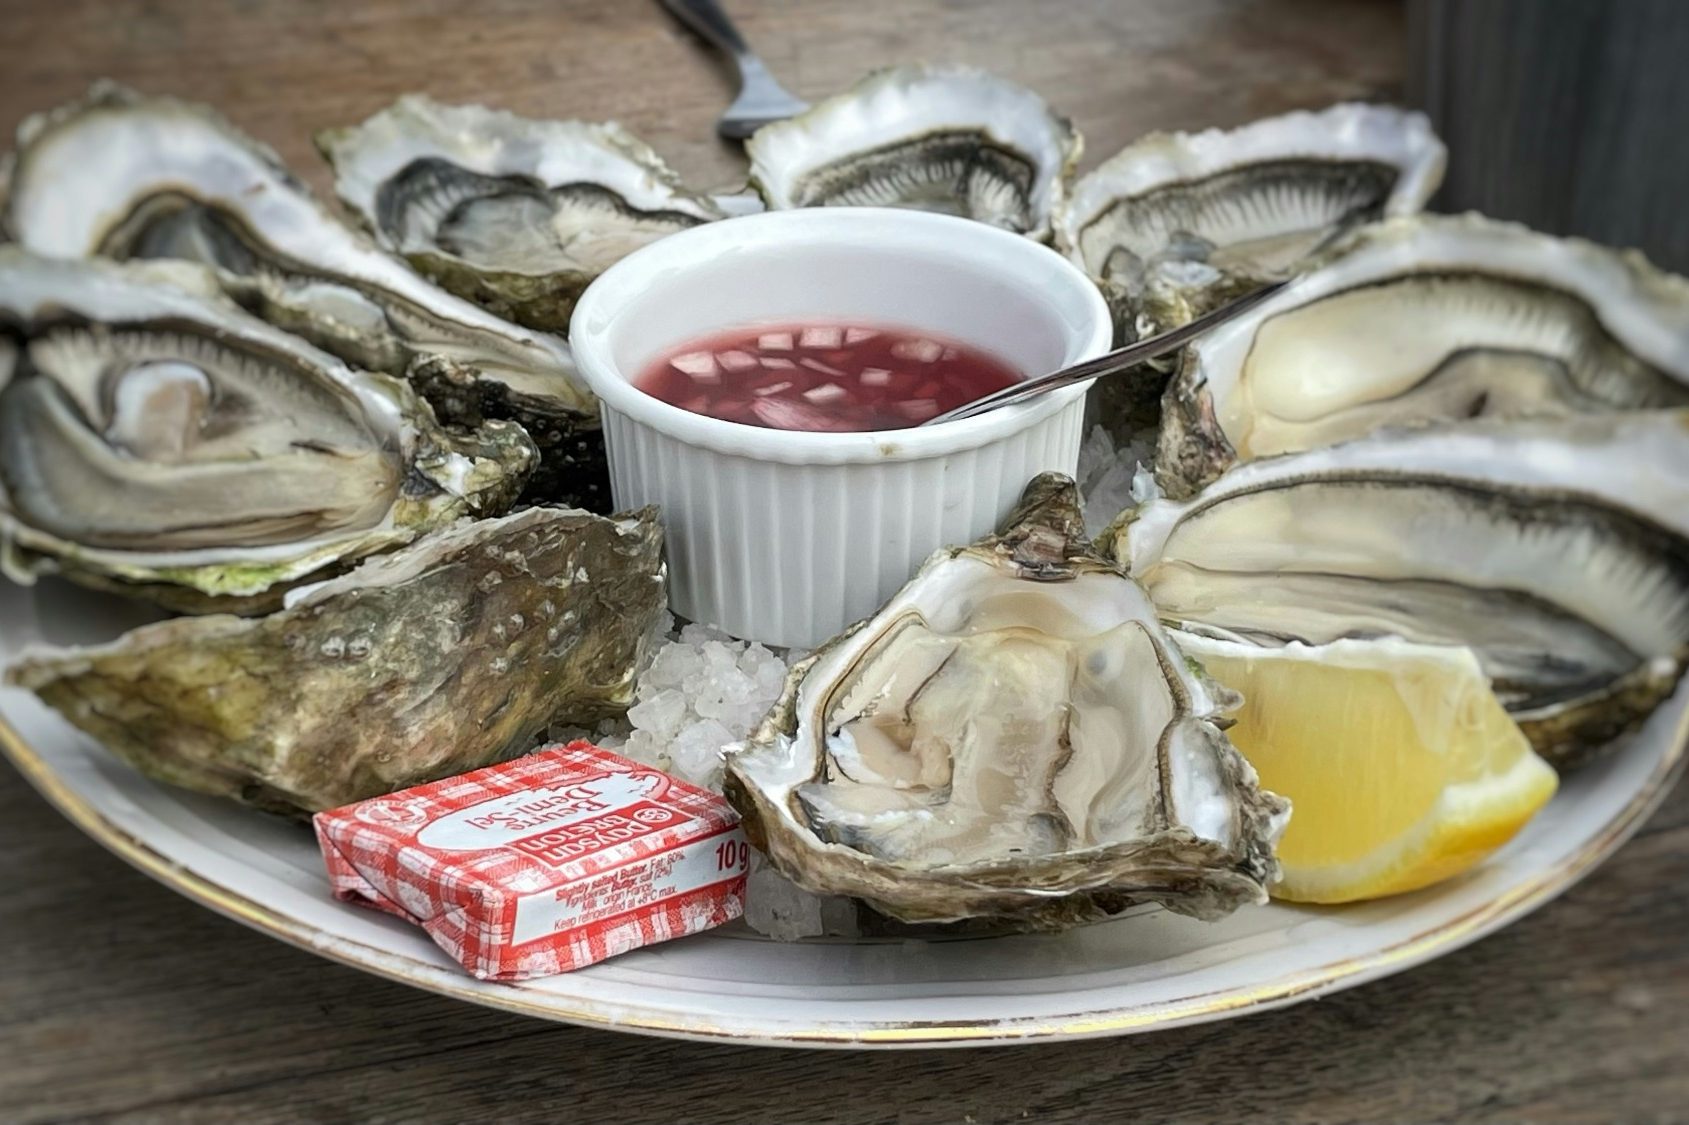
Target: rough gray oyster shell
x: 125, y: 176
x: 1012, y: 737
x: 451, y: 653
x: 514, y: 214
x: 1176, y: 224
x: 1556, y: 549
x: 156, y: 440
x: 938, y: 138
x: 1427, y: 320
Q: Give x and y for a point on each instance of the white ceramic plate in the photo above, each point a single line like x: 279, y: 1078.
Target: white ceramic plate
x: 1143, y: 970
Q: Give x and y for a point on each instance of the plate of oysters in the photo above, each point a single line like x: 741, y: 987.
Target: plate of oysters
x: 1334, y: 640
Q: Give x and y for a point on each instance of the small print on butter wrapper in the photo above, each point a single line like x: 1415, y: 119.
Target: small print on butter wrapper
x: 543, y: 864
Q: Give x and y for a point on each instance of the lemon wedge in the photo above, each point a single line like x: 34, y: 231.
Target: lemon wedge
x: 1401, y: 767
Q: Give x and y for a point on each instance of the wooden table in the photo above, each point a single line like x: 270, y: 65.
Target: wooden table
x: 120, y: 1000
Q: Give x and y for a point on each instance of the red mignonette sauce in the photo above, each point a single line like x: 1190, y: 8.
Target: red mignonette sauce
x: 830, y: 377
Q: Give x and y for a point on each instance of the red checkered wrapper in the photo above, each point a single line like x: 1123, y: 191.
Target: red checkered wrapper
x: 543, y: 864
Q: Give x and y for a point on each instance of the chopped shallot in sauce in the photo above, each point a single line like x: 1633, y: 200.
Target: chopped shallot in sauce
x: 830, y: 377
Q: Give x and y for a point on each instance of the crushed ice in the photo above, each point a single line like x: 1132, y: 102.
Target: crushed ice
x: 780, y: 909
x: 1107, y: 474
x: 701, y: 691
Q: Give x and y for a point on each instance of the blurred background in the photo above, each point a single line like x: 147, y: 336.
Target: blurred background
x: 1569, y: 115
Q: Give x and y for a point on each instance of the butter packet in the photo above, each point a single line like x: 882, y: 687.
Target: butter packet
x: 543, y: 864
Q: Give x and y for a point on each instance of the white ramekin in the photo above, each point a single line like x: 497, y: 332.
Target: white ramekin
x: 787, y: 537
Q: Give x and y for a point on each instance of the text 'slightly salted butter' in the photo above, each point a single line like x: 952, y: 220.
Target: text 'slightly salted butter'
x: 543, y: 864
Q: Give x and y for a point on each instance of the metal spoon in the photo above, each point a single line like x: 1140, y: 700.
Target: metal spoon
x: 1110, y: 363
x: 761, y: 99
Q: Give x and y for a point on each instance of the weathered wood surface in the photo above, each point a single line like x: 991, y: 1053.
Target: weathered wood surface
x: 284, y: 68
x: 119, y: 1000
x: 1569, y: 115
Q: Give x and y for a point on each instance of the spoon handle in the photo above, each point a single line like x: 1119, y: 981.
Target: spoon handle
x: 1111, y: 363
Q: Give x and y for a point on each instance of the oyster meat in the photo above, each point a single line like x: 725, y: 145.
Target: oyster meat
x: 125, y: 176
x: 156, y: 439
x: 453, y: 652
x: 1012, y: 737
x: 1176, y: 224
x: 1556, y: 549
x: 1423, y: 320
x: 514, y: 214
x: 937, y: 138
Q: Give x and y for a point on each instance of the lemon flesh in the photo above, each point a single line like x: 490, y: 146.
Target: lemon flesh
x: 1401, y: 767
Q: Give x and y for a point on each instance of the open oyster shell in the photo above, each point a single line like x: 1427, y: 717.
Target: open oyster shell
x: 1424, y: 320
x: 125, y: 176
x: 1176, y: 224
x: 1012, y: 737
x: 937, y: 138
x: 157, y: 440
x: 1557, y: 550
x: 514, y: 214
x: 453, y: 653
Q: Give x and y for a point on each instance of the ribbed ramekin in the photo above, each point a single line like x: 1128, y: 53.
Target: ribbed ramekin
x: 787, y: 537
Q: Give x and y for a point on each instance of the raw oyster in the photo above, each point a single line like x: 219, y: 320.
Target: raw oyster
x: 514, y: 214
x: 1178, y: 223
x: 1558, y: 550
x: 452, y: 653
x: 1429, y: 319
x: 156, y: 439
x: 949, y: 139
x: 1012, y: 737
x: 126, y: 176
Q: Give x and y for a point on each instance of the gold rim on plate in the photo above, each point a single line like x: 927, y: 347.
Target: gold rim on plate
x: 1203, y: 1007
